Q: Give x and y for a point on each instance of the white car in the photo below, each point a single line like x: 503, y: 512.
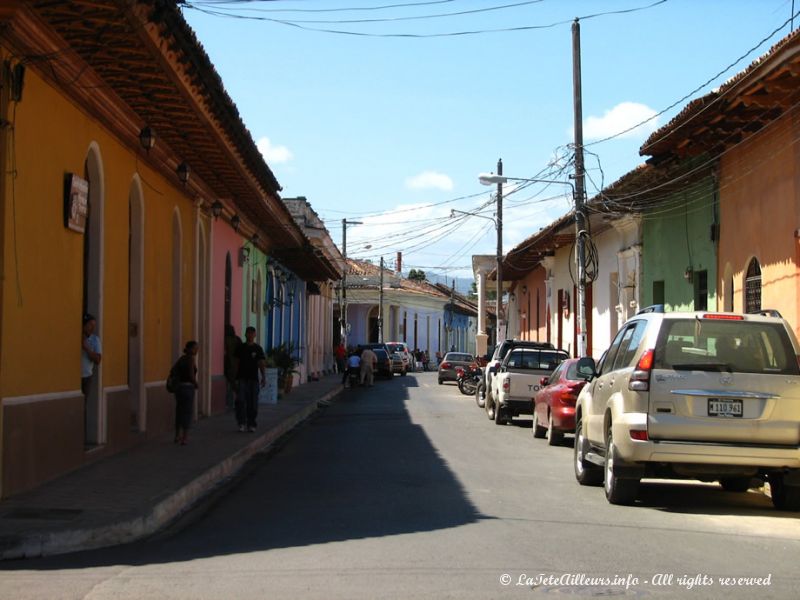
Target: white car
x: 402, y: 349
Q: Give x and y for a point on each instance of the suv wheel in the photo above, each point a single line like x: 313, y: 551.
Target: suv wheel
x: 618, y: 491
x: 735, y: 484
x: 554, y: 438
x: 480, y: 394
x: 784, y: 497
x: 586, y: 472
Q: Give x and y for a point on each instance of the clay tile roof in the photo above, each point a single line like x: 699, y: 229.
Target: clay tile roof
x: 739, y: 107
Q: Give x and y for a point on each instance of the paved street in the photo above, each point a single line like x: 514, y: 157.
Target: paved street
x: 407, y: 490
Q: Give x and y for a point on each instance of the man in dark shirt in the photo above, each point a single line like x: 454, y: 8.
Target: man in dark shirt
x: 251, y: 361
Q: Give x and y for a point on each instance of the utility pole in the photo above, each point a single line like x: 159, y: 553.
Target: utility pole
x: 380, y: 308
x: 581, y: 232
x: 343, y: 316
x: 499, y: 250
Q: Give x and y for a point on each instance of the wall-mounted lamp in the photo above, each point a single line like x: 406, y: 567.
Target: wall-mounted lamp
x: 244, y: 255
x: 184, y: 171
x: 147, y: 138
x: 236, y: 221
x: 688, y: 274
x: 216, y: 209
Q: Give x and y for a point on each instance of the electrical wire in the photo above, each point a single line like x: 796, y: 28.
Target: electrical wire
x: 289, y: 23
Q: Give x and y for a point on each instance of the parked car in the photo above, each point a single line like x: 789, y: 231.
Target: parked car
x: 384, y: 365
x: 554, y: 403
x: 451, y: 360
x: 518, y: 380
x: 695, y: 395
x: 402, y: 349
x: 398, y: 364
x: 499, y: 353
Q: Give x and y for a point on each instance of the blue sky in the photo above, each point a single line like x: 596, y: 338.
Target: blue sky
x: 387, y: 130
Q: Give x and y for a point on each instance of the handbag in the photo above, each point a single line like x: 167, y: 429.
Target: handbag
x: 173, y: 381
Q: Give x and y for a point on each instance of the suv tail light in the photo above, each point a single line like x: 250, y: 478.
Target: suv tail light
x: 507, y: 384
x: 640, y: 378
x: 723, y: 317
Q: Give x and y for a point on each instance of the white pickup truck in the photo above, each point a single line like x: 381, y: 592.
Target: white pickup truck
x: 517, y: 381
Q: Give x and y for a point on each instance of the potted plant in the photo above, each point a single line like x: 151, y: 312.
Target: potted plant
x: 282, y: 356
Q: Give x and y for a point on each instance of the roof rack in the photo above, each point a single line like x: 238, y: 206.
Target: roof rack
x: 770, y: 312
x: 654, y: 308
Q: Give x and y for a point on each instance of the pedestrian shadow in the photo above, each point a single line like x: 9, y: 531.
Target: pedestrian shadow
x: 359, y: 469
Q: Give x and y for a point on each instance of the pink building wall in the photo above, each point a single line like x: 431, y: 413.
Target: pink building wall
x: 759, y: 215
x: 226, y: 240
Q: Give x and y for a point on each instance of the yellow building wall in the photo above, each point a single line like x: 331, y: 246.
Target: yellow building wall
x: 759, y: 217
x: 43, y: 260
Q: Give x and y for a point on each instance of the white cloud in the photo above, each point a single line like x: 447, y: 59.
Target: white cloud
x: 272, y: 153
x: 430, y: 180
x: 621, y: 118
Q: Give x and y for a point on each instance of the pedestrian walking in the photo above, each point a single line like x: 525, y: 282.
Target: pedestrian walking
x: 186, y: 370
x: 252, y: 361
x: 231, y: 366
x: 340, y: 352
x: 369, y: 360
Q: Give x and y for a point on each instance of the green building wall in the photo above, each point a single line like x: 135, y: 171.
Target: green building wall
x: 676, y: 237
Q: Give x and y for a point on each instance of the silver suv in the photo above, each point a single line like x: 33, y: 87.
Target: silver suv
x: 699, y: 395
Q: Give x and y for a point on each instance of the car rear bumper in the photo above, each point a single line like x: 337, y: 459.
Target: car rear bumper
x: 679, y: 451
x: 563, y: 417
x: 518, y: 406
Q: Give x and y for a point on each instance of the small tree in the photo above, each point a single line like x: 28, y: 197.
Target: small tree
x: 417, y: 275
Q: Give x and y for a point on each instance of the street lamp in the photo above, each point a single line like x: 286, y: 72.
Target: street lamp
x: 580, y: 255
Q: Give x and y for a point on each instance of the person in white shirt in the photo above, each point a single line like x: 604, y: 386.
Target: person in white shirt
x: 353, y: 366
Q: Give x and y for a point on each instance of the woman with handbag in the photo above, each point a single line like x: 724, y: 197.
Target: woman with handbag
x: 186, y: 371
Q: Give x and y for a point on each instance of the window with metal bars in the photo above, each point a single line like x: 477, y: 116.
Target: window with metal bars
x: 752, y: 287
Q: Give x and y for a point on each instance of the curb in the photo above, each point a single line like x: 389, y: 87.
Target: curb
x: 159, y: 515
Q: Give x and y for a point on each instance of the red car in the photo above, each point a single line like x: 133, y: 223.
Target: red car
x: 554, y: 403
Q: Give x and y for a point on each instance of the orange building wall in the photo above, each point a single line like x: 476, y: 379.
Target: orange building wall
x: 759, y: 216
x: 41, y: 315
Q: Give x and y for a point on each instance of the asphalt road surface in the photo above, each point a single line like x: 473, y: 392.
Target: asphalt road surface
x: 407, y: 490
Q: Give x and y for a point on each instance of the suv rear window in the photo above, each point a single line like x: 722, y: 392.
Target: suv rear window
x: 737, y: 346
x: 528, y: 358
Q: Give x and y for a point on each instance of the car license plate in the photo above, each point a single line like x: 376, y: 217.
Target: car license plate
x: 724, y: 408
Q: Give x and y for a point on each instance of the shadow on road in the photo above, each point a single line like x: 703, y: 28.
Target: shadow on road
x: 358, y: 469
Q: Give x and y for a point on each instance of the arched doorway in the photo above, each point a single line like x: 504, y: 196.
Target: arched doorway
x: 138, y: 399
x: 177, y: 288
x: 228, y: 289
x: 94, y: 406
x: 372, y: 324
x: 752, y: 287
x: 203, y: 319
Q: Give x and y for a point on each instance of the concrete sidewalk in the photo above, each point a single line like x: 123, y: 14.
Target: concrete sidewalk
x: 133, y: 494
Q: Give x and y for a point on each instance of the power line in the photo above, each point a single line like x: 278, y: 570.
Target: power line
x: 299, y: 25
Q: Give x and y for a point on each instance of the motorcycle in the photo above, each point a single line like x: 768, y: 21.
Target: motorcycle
x: 468, y: 379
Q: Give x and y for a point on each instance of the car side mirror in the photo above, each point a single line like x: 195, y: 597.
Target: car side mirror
x: 544, y: 381
x: 493, y: 369
x: 586, y: 368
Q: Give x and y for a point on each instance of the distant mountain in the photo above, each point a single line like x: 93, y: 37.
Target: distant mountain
x: 463, y: 284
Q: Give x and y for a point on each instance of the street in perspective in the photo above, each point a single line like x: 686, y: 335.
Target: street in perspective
x: 428, y: 299
x: 408, y: 490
